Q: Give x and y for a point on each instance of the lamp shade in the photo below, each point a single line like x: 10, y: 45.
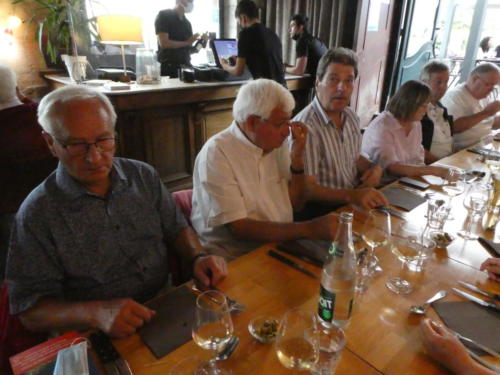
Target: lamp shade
x: 120, y: 29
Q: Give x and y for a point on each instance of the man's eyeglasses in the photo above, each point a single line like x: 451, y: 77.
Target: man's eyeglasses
x: 82, y: 148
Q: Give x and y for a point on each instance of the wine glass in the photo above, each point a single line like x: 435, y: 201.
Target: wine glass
x: 475, y: 202
x: 376, y: 233
x: 189, y: 366
x: 297, y: 345
x: 454, y: 185
x: 406, y: 246
x: 213, y: 327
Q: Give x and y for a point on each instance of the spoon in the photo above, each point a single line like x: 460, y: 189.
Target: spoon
x: 228, y: 349
x: 421, y: 309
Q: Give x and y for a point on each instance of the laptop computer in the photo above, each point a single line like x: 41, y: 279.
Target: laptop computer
x: 226, y: 48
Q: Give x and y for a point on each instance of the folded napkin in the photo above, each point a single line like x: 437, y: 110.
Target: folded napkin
x: 312, y: 251
x: 171, y: 326
x: 402, y: 198
x: 471, y: 320
x: 433, y: 180
x: 492, y: 247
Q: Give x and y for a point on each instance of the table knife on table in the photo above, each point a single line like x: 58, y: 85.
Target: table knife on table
x: 480, y: 291
x: 291, y: 263
x: 113, y: 362
x: 479, y: 301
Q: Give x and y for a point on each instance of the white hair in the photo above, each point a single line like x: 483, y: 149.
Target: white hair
x: 259, y: 98
x: 7, y: 84
x: 48, y: 115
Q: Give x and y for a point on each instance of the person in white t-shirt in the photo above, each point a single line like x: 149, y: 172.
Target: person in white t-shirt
x: 474, y: 113
x: 437, y: 124
x: 246, y: 181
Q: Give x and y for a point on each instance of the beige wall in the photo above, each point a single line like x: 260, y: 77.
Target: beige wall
x: 23, y: 56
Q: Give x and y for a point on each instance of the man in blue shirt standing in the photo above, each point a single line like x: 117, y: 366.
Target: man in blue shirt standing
x: 89, y: 244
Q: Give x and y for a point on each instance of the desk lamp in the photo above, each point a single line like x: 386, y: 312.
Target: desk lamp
x: 120, y: 30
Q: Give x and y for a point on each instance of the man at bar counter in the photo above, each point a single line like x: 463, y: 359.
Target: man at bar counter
x: 259, y: 47
x: 471, y: 105
x: 336, y: 171
x: 90, y: 243
x: 175, y: 38
x: 247, y: 182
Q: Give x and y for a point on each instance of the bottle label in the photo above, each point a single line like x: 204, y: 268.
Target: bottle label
x: 326, y: 303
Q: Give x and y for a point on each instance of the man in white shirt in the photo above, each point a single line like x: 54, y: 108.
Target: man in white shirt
x: 474, y: 115
x: 247, y: 182
x: 437, y: 124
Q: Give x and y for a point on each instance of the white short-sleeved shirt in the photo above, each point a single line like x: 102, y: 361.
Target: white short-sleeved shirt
x: 233, y: 179
x: 442, y: 141
x: 331, y: 154
x: 385, y: 142
x: 461, y: 103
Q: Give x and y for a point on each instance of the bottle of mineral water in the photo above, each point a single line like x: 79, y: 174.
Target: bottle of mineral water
x: 338, y: 277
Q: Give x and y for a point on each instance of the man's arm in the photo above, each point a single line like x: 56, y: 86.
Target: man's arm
x: 165, y: 42
x: 466, y: 122
x: 118, y: 318
x: 237, y: 70
x: 398, y: 169
x: 323, y: 227
x: 299, y: 68
x: 370, y: 173
x: 429, y: 157
x: 297, y: 189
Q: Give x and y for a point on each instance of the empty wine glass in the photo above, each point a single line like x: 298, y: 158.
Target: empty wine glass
x: 454, y: 185
x: 475, y: 202
x: 406, y: 246
x: 213, y: 326
x: 297, y: 344
x: 376, y: 233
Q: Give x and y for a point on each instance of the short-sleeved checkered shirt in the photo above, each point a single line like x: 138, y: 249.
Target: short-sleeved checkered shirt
x: 331, y: 153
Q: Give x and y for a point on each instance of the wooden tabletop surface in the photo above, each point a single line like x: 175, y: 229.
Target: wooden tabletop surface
x: 382, y: 337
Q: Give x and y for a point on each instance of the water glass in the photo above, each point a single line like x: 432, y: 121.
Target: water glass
x: 426, y: 247
x: 331, y: 343
x: 363, y: 272
x: 437, y: 211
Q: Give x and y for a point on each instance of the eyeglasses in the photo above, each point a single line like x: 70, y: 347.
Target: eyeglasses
x: 489, y: 85
x: 82, y: 148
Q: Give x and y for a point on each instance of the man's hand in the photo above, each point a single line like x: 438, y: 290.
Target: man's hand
x: 192, y: 38
x: 324, y: 227
x: 224, y: 63
x: 367, y: 198
x: 299, y: 137
x: 492, y: 108
x: 492, y: 267
x: 121, y: 317
x: 445, y: 348
x: 371, y: 177
x: 210, y: 270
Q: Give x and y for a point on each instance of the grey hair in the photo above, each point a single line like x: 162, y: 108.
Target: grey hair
x: 484, y: 68
x: 50, y: 105
x: 7, y: 84
x: 259, y: 98
x: 433, y: 66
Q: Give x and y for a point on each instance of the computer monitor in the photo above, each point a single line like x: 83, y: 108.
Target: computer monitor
x: 224, y: 48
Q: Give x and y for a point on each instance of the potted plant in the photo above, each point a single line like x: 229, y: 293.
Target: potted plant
x: 62, y: 24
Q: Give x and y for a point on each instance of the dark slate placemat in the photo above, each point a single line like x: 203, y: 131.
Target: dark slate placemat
x: 492, y: 247
x: 471, y: 320
x: 402, y: 198
x: 312, y: 251
x: 172, y: 324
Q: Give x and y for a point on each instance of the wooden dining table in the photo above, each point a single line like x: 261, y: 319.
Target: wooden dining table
x: 382, y: 337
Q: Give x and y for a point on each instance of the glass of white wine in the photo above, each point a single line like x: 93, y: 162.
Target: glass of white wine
x: 297, y: 342
x: 213, y: 327
x: 406, y: 246
x: 376, y: 233
x: 454, y: 186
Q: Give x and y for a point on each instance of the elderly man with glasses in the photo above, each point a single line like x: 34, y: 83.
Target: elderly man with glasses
x: 90, y: 243
x: 474, y: 110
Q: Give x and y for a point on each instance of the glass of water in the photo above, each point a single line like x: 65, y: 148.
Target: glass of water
x: 331, y: 343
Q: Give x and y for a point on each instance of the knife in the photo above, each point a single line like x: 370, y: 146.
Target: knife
x: 291, y: 263
x: 479, y: 301
x: 476, y: 344
x: 113, y: 362
x: 480, y: 291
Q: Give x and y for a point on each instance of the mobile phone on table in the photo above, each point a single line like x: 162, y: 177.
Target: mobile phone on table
x: 414, y: 183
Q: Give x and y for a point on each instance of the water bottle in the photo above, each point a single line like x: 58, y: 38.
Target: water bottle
x: 338, y: 277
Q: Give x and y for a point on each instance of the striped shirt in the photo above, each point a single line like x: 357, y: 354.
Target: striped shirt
x: 331, y: 153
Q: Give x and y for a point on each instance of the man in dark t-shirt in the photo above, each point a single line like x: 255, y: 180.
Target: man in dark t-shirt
x: 308, y: 49
x: 175, y: 38
x: 259, y: 48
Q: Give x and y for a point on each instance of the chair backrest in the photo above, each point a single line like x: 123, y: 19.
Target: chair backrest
x: 14, y: 337
x: 183, y: 199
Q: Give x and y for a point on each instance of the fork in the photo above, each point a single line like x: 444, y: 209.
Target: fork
x: 232, y: 304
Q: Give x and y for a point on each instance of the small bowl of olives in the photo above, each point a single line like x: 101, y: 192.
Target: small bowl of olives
x: 263, y: 328
x: 442, y: 239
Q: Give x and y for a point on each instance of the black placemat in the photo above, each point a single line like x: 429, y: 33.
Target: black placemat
x: 402, y: 198
x: 492, y: 247
x: 312, y: 251
x: 471, y: 320
x: 171, y: 326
